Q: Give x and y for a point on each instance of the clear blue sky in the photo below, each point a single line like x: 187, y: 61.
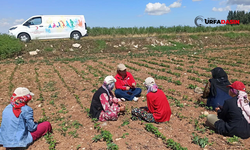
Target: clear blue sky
x: 120, y: 13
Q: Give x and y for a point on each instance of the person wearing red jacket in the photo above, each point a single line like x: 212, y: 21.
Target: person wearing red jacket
x: 125, y: 85
x: 158, y: 109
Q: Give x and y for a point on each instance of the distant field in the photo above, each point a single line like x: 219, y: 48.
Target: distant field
x: 64, y: 79
x: 95, y: 31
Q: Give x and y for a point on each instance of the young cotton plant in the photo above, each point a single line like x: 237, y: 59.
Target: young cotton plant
x: 202, y: 142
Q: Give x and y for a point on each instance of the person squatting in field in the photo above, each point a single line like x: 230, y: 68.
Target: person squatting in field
x: 18, y: 129
x: 158, y: 109
x: 126, y: 85
x: 234, y: 116
x: 216, y: 90
x: 105, y: 106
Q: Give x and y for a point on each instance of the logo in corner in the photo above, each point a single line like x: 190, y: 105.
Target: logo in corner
x: 196, y: 21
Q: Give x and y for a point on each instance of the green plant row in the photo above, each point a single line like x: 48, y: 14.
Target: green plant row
x: 195, y: 79
x: 170, y: 142
x: 155, y: 63
x: 39, y: 86
x: 202, y: 142
x: 105, y: 65
x: 223, y: 62
x: 172, y: 62
x: 177, y: 102
x: 163, y: 69
x: 199, y: 74
x: 140, y: 64
x: 78, y: 100
x: 50, y: 140
x: 66, y: 125
x: 59, y: 75
x: 105, y: 135
x: 132, y: 68
x: 169, y: 79
x: 11, y: 85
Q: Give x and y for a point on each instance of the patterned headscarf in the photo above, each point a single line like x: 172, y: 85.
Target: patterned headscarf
x: 152, y: 88
x: 18, y: 102
x: 243, y: 103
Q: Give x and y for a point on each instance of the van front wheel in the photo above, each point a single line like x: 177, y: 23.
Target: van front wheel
x: 75, y: 35
x: 24, y: 37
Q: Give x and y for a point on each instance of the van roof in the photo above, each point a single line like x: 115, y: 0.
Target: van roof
x: 55, y: 15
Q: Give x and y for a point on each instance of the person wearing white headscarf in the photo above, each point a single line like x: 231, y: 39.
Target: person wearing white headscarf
x: 105, y: 106
x: 158, y: 109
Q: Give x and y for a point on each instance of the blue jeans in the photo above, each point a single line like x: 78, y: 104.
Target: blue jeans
x: 128, y: 95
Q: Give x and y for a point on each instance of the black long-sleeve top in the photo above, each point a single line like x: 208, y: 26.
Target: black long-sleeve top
x: 232, y: 121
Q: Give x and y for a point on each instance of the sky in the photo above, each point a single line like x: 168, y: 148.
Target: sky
x: 120, y: 13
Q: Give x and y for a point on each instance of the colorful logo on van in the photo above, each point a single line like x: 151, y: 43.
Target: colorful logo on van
x: 64, y: 24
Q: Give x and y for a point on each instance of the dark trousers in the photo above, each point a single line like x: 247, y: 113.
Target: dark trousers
x: 128, y: 95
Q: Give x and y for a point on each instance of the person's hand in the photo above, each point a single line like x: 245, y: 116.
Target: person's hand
x: 127, y: 88
x: 120, y: 103
x: 122, y: 108
x: 217, y: 109
x: 133, y: 84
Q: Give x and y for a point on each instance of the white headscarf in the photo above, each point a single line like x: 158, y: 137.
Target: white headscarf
x: 109, y: 84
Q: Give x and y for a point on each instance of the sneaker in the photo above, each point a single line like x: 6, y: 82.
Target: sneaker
x: 123, y: 99
x: 135, y: 99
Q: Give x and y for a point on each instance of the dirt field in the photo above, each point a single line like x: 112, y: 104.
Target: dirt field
x: 64, y: 79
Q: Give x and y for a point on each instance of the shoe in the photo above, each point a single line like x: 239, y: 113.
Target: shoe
x: 123, y: 99
x: 135, y: 99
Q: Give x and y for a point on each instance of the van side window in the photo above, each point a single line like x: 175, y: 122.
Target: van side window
x: 34, y: 21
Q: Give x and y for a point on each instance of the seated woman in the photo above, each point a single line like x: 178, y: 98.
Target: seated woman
x: 126, y: 85
x: 18, y: 129
x: 104, y: 105
x: 234, y: 117
x: 158, y: 109
x: 216, y: 90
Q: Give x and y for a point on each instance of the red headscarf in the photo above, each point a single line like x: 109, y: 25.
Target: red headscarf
x: 18, y: 102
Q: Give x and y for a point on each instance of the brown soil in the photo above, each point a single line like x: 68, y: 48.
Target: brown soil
x: 60, y: 82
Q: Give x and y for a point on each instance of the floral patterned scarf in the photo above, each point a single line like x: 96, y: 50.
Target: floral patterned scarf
x: 19, y: 101
x: 243, y: 103
x: 152, y: 88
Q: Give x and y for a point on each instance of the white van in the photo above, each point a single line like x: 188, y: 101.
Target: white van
x: 50, y: 27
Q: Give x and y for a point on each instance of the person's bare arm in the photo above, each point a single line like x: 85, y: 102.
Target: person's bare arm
x: 206, y: 90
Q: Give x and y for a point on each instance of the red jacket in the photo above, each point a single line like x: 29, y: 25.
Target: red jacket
x: 158, y: 105
x: 122, y: 83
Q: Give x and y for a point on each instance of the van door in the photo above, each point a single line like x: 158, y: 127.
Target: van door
x: 35, y: 28
x: 58, y: 27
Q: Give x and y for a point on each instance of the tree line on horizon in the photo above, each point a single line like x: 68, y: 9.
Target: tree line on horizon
x: 243, y: 16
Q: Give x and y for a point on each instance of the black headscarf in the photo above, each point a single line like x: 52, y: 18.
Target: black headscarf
x: 219, y: 79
